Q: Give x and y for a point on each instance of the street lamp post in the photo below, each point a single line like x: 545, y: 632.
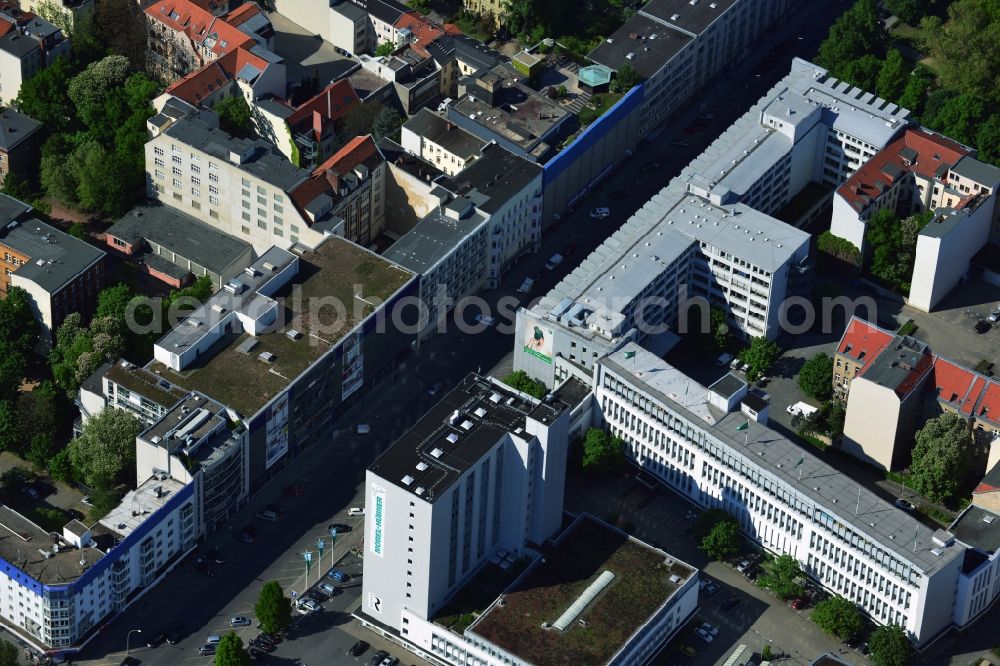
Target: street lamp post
x: 129, y: 638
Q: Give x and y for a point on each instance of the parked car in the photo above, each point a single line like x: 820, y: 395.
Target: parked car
x: 277, y: 508
x: 356, y: 511
x: 207, y: 649
x: 338, y: 575
x: 600, y: 213
x: 711, y: 589
x: 378, y: 657
x: 329, y: 589
x: 86, y: 500
x: 273, y: 639
x: 358, y: 648
x: 526, y: 285
x: 689, y: 651
x: 262, y: 646
x: 731, y: 602
x: 994, y: 316
x: 723, y: 360
x: 30, y: 492
x: 486, y: 320
x: 904, y: 505
x: 389, y: 661
x: 981, y: 327
x: 342, y: 528
x: 246, y: 537
x: 735, y: 364
x: 216, y: 555
x: 553, y: 261
x: 255, y: 652
x: 174, y: 636
x: 239, y: 621
x: 710, y: 629
x: 155, y: 641
x: 435, y: 389
x: 704, y: 635
x: 743, y: 565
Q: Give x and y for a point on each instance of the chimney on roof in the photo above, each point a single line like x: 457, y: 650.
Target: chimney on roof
x: 333, y: 178
x: 317, y: 123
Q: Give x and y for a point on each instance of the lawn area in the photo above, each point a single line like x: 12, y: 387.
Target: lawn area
x: 597, y: 106
x: 641, y: 583
x: 478, y: 594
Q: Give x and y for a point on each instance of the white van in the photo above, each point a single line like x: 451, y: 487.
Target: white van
x: 356, y: 511
x: 214, y: 639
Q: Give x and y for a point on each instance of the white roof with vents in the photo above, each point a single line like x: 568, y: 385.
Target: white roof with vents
x: 452, y: 437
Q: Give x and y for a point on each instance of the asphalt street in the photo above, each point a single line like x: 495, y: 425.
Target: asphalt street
x: 331, y: 473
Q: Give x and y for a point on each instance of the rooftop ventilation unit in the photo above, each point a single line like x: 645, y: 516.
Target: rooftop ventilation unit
x: 421, y: 466
x: 437, y: 453
x: 407, y: 480
x: 452, y: 437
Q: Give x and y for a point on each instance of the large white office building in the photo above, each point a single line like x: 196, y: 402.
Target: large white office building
x: 699, y: 443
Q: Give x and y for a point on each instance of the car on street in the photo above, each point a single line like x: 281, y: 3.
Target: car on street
x: 731, y: 602
x: 272, y: 639
x: 713, y: 630
x: 526, y: 285
x: 711, y: 589
x: 600, y: 213
x: 217, y: 556
x: 356, y: 511
x: 246, y: 537
x: 389, y: 661
x: 337, y: 575
x: 553, y: 261
x: 329, y: 589
x: 30, y: 492
x: 255, y: 652
x: 342, y: 528
x: 207, y: 649
x: 155, y: 641
x: 239, y: 621
x: 262, y: 646
x: 485, y: 320
x: 378, y: 657
x: 704, y: 635
x: 358, y: 648
x: 904, y: 504
x: 275, y: 507
x: 689, y: 651
x: 981, y: 327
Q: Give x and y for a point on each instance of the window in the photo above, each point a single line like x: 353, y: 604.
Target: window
x: 246, y: 216
x: 277, y: 220
x: 278, y: 232
x: 176, y: 171
x: 212, y: 189
x: 212, y: 199
x: 195, y: 168
x: 177, y: 183
x: 261, y: 190
x: 278, y: 209
x: 261, y: 200
x: 195, y: 180
x: 245, y: 230
x: 294, y: 229
x: 158, y: 151
x: 246, y: 204
x: 159, y: 174
x: 261, y: 212
x: 214, y: 214
x: 195, y: 192
x: 175, y: 149
x: 278, y: 198
x: 246, y: 182
x: 261, y: 224
x: 176, y: 159
x: 214, y: 177
x: 293, y: 238
x: 212, y: 166
x: 158, y: 162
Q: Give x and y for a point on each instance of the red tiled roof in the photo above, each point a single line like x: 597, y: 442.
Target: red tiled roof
x: 354, y: 152
x: 423, y: 31
x: 872, y: 179
x: 242, y: 13
x: 331, y: 103
x: 323, y: 178
x: 863, y: 340
x: 198, y: 25
x: 952, y: 382
x: 5, y: 27
x: 989, y: 405
x: 201, y: 83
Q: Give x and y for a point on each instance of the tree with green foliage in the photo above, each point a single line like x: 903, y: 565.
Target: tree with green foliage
x: 273, y: 608
x: 385, y: 49
x: 914, y: 94
x: 784, y: 577
x: 862, y: 72
x: 78, y: 230
x: 892, y: 76
x: 909, y: 11
x: 10, y: 655
x: 838, y: 617
x: 231, y: 652
x: 520, y: 381
x: 889, y: 646
x: 235, y: 117
x: 723, y: 540
x: 386, y: 124
x: 8, y: 426
x: 707, y: 520
x: 38, y: 412
x: 987, y: 140
x: 853, y: 36
x: 106, y: 447
x: 80, y: 350
x: 121, y: 27
x: 883, y: 236
x: 720, y: 329
x: 18, y: 326
x: 760, y: 356
x: 14, y: 185
x: 956, y: 116
x: 45, y: 96
x: 60, y: 467
x: 941, y: 457
x: 602, y: 452
x: 625, y: 79
x: 839, y: 248
x: 40, y: 450
x: 816, y: 377
x: 113, y: 301
x: 964, y: 48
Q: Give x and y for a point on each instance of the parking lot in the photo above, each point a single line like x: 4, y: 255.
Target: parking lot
x: 657, y: 516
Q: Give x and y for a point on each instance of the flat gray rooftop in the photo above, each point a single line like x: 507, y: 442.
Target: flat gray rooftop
x: 980, y: 172
x: 21, y: 543
x: 642, y: 42
x: 433, y: 238
x: 263, y: 161
x: 979, y: 528
x: 493, y: 178
x: 758, y: 447
x: 137, y: 505
x: 56, y: 258
x: 445, y: 133
x: 181, y: 233
x: 487, y: 412
x: 691, y: 17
